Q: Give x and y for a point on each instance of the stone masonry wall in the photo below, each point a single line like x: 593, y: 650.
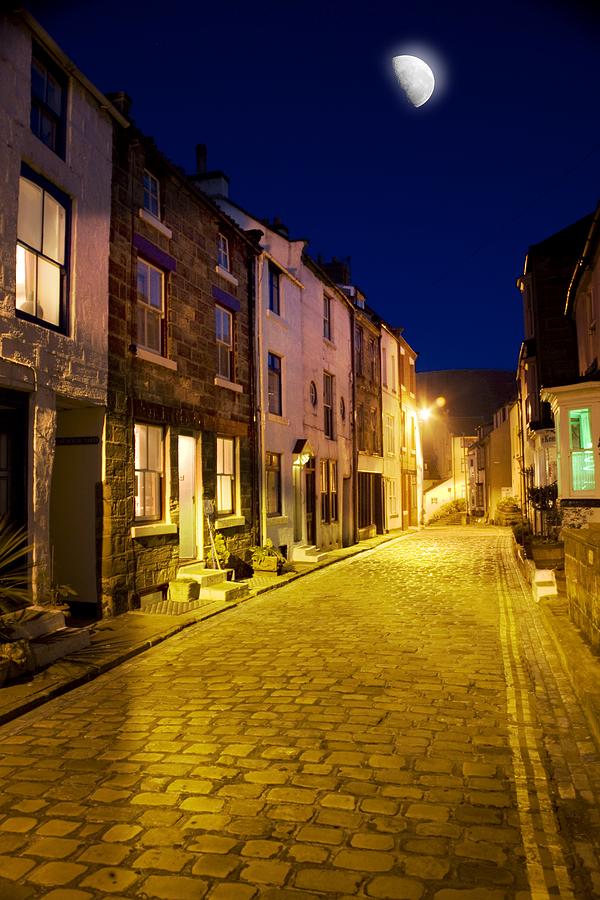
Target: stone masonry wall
x: 185, y: 400
x: 582, y: 571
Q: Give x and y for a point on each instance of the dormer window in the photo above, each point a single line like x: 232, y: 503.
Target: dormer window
x: 223, y: 253
x: 151, y: 194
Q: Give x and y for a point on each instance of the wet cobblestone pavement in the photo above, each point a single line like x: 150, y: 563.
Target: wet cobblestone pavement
x: 394, y: 726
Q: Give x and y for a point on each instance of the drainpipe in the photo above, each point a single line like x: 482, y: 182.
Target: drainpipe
x: 259, y: 417
x: 256, y: 437
x: 354, y: 442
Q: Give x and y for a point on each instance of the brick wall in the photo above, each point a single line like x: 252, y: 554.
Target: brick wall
x: 582, y: 571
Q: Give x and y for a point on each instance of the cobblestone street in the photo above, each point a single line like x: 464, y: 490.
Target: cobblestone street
x: 396, y: 726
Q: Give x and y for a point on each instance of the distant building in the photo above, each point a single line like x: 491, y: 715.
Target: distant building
x: 56, y: 163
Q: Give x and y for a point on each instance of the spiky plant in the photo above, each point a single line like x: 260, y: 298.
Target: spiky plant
x: 14, y: 567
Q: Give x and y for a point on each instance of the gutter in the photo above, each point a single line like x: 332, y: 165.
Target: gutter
x: 581, y: 263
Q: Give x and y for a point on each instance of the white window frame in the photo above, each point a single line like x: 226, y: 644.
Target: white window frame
x: 328, y: 406
x: 384, y: 367
x: 274, y: 277
x: 279, y: 373
x: 390, y: 438
x: 223, y: 259
x: 146, y: 309
x: 273, y: 468
x: 224, y: 347
x: 149, y: 479
x: 223, y: 475
x: 151, y: 194
x: 327, y: 322
x: 36, y: 255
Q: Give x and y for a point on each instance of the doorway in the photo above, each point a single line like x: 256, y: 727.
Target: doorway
x: 187, y: 497
x: 309, y: 487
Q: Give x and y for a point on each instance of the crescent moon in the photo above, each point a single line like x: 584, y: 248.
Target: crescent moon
x: 415, y: 77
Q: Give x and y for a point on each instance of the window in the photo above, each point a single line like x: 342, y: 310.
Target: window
x: 342, y: 409
x: 274, y: 277
x: 224, y: 334
x: 360, y: 427
x: 313, y: 394
x: 389, y: 438
x: 384, y: 377
x: 223, y: 252
x: 48, y: 102
x: 150, y: 306
x: 393, y: 373
x: 327, y: 317
x: 328, y: 405
x: 273, y: 473
x: 329, y: 492
x: 274, y: 384
x: 392, y: 496
x: 225, y: 475
x: 41, y: 253
x: 151, y: 194
x: 149, y: 470
x: 358, y: 350
x: 372, y: 361
x: 582, y: 453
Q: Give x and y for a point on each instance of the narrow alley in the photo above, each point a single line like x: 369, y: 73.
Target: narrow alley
x: 397, y: 725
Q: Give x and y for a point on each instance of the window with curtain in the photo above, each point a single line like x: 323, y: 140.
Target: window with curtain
x: 583, y: 474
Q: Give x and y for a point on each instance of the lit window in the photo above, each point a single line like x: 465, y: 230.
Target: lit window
x: 582, y: 453
x: 150, y: 306
x: 149, y: 468
x: 225, y: 475
x: 328, y: 405
x: 224, y: 334
x: 223, y: 252
x: 41, y: 253
x: 273, y: 479
x: 392, y: 496
x: 48, y: 102
x: 333, y: 490
x: 274, y: 384
x: 325, y: 513
x: 327, y: 317
x: 274, y: 290
x: 151, y: 194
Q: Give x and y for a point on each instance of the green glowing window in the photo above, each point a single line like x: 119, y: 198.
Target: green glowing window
x: 582, y: 453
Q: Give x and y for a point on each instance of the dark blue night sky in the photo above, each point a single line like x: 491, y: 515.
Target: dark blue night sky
x: 436, y: 206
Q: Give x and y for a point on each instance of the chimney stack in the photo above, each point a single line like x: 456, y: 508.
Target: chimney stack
x: 121, y: 101
x: 201, y: 157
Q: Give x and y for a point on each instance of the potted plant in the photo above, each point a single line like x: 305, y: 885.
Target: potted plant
x: 267, y: 558
x: 15, y: 656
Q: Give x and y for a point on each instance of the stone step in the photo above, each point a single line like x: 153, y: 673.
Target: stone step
x: 544, y: 584
x: 308, y: 553
x: 34, y: 622
x: 226, y: 591
x: 202, y: 575
x: 50, y: 647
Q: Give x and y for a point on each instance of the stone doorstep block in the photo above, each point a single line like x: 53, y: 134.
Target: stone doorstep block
x: 544, y: 584
x: 225, y: 592
x: 36, y: 622
x: 183, y: 591
x: 50, y: 647
x: 202, y: 575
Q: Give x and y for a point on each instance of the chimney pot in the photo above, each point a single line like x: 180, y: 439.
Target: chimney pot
x: 201, y: 156
x: 121, y: 101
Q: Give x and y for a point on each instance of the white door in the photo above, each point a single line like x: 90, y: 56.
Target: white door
x: 187, y: 497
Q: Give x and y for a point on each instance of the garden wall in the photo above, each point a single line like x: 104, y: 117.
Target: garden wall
x: 582, y: 572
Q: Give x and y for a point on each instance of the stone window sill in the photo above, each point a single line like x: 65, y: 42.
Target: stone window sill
x: 155, y: 223
x: 230, y: 521
x: 229, y: 385
x: 224, y: 273
x: 153, y: 529
x: 281, y: 420
x: 277, y: 520
x: 149, y: 356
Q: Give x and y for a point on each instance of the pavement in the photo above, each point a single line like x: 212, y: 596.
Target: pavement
x: 113, y: 641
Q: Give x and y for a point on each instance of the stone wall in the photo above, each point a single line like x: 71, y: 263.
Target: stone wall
x: 582, y: 571
x: 177, y: 391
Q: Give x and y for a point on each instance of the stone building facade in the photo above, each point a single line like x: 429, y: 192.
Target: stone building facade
x: 56, y: 162
x: 180, y: 443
